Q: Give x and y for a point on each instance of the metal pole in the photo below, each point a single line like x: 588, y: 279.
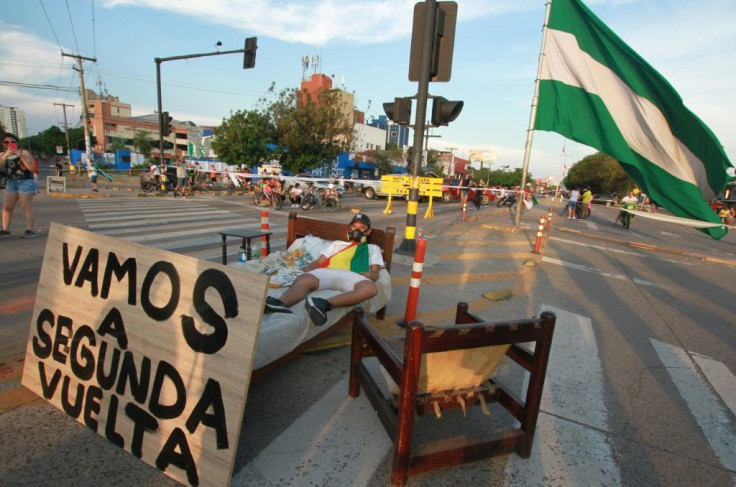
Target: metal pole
x: 532, y: 118
x: 409, y: 245
x: 66, y: 128
x: 160, y: 116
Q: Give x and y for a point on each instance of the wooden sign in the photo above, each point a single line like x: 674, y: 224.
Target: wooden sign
x: 55, y: 184
x: 150, y: 349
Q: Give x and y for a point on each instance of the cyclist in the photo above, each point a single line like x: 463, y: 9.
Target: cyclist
x: 630, y: 202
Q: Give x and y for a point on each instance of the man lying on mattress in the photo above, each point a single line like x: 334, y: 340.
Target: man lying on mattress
x: 351, y: 267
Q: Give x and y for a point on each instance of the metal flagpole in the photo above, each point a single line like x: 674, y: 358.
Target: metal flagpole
x: 532, y: 118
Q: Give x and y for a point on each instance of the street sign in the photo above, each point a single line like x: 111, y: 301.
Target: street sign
x: 59, y: 149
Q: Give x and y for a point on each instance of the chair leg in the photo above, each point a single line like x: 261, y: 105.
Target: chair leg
x: 355, y: 354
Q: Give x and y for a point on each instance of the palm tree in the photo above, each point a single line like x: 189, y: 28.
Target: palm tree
x: 141, y: 142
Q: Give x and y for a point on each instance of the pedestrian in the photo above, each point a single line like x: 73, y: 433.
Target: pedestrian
x: 587, y: 203
x: 181, y: 176
x: 295, y: 195
x: 21, y: 185
x: 213, y: 174
x: 92, y: 174
x: 477, y: 194
x: 72, y: 171
x: 464, y: 185
x: 572, y: 203
x: 350, y: 267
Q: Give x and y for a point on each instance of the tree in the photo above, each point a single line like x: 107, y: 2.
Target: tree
x: 244, y: 137
x: 601, y: 173
x: 310, y: 131
x: 142, y: 142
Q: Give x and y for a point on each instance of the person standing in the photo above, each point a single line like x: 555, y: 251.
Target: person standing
x: 21, y: 185
x: 587, y: 203
x: 572, y: 203
x: 92, y: 173
x: 464, y: 185
x: 181, y: 176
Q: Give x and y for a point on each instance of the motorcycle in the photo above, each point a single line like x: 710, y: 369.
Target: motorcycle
x: 627, y: 217
x: 507, y: 199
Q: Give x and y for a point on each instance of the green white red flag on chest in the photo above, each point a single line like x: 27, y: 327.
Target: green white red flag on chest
x: 596, y: 90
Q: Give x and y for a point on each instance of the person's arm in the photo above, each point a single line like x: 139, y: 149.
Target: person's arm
x: 372, y: 274
x: 315, y: 263
x: 27, y: 160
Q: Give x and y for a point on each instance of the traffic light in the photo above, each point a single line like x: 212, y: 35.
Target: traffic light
x: 249, y: 57
x: 399, y: 111
x: 165, y: 124
x: 445, y: 111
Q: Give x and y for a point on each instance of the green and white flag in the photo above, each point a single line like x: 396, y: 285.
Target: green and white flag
x: 596, y: 90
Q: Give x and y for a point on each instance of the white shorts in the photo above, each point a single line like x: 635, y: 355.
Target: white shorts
x: 337, y: 279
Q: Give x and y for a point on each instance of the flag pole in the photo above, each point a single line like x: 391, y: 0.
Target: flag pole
x: 532, y: 119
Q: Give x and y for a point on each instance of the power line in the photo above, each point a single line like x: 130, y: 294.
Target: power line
x: 71, y: 22
x: 37, y: 86
x: 50, y: 25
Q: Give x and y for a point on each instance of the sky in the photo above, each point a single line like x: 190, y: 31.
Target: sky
x: 365, y: 45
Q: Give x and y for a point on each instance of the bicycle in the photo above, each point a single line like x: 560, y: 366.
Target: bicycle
x: 264, y: 198
x: 311, y: 199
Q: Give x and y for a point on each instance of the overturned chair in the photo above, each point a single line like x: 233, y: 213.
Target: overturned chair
x: 450, y: 367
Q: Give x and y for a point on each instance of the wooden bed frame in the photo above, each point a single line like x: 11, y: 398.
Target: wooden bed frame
x: 301, y: 227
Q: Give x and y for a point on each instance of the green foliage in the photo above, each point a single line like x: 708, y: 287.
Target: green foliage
x: 503, y: 177
x: 309, y: 131
x: 242, y: 138
x: 142, y: 142
x: 601, y: 173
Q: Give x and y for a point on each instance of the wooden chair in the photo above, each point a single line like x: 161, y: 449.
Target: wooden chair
x: 422, y: 365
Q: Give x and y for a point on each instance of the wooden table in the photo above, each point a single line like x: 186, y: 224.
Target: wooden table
x: 246, y: 235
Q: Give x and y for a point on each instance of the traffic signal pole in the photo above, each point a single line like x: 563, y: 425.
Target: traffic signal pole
x: 249, y: 61
x: 409, y: 244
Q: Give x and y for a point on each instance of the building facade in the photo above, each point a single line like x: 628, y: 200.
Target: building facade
x: 14, y: 121
x: 112, y: 124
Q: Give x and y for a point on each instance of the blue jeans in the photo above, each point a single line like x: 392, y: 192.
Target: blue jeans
x: 21, y: 186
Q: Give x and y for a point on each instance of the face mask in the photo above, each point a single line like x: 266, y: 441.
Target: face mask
x: 355, y: 235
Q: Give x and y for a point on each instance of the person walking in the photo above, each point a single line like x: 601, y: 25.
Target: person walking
x: 572, y: 203
x: 93, y: 174
x: 21, y: 185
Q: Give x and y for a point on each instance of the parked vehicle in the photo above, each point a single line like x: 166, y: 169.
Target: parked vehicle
x: 148, y: 181
x: 507, y: 199
x: 604, y: 199
x: 451, y: 191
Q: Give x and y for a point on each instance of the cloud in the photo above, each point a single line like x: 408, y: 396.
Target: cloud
x: 316, y: 23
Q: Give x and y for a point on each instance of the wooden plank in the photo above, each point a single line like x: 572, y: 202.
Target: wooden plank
x: 151, y: 349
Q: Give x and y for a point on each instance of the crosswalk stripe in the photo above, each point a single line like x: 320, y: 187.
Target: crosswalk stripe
x: 704, y: 406
x: 571, y: 444
x: 182, y: 226
x: 570, y: 265
x: 337, y: 441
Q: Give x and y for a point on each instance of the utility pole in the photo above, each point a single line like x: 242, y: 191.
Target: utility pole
x: 66, y: 128
x: 83, y: 93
